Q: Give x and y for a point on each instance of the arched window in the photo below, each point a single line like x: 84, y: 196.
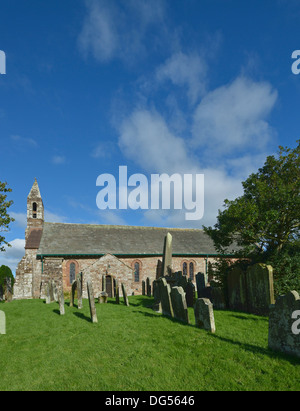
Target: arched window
x: 192, y: 271
x: 184, y: 268
x: 136, y: 272
x: 72, y: 272
x: 34, y: 210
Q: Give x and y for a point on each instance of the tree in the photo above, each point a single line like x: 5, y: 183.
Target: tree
x: 5, y: 272
x: 266, y: 218
x: 5, y: 219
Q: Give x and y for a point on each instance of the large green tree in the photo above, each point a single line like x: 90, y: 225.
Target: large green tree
x: 266, y: 218
x: 5, y: 219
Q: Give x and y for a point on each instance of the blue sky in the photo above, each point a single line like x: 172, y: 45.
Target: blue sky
x: 161, y: 86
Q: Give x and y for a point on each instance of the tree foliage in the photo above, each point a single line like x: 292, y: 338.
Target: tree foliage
x: 5, y: 219
x: 5, y: 272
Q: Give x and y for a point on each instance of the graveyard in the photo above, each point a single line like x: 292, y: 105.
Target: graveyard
x: 136, y: 348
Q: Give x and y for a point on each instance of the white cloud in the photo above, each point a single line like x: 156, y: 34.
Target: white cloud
x: 13, y: 255
x: 54, y: 218
x: 233, y: 117
x: 58, y: 160
x: 24, y: 141
x: 185, y: 70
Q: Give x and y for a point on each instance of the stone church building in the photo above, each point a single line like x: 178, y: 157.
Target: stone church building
x: 60, y: 251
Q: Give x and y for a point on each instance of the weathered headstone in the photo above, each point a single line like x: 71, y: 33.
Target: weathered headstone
x: 55, y: 293
x: 165, y: 297
x: 104, y: 282
x: 237, y: 289
x: 79, y: 290
x: 190, y: 293
x: 73, y: 290
x: 200, y: 283
x: 218, y: 298
x: 179, y: 304
x: 260, y: 291
x: 92, y: 302
x: 167, y: 255
x: 156, y: 304
x: 8, y: 292
x: 49, y: 292
x: 204, y: 315
x: 102, y: 299
x: 117, y: 292
x: 181, y: 280
x: 124, y: 295
x: 284, y: 324
x: 61, y: 301
x: 2, y: 323
x: 143, y: 287
x: 148, y: 287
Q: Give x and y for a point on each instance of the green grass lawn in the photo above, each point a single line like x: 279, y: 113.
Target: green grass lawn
x: 134, y: 348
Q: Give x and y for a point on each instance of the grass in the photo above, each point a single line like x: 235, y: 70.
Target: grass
x: 136, y: 349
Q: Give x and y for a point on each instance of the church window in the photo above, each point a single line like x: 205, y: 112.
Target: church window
x: 34, y: 209
x: 184, y: 268
x: 136, y: 272
x: 192, y: 271
x: 72, y: 272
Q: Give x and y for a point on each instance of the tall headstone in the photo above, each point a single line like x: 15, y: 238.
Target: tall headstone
x: 165, y: 297
x: 55, y: 292
x: 204, y: 315
x: 190, y: 293
x: 126, y: 302
x: 284, y: 324
x: 143, y: 287
x: 236, y: 289
x: 117, y: 292
x: 260, y: 290
x: 179, y: 304
x: 73, y: 290
x: 200, y: 283
x: 61, y: 300
x: 148, y: 287
x: 92, y: 302
x: 79, y: 290
x: 9, y: 292
x: 167, y: 255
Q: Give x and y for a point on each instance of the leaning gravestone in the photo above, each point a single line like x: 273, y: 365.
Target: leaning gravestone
x: 190, y: 293
x: 61, y: 301
x: 79, y: 291
x: 165, y: 297
x: 179, y: 304
x: 124, y: 295
x: 260, y: 291
x: 284, y: 324
x: 204, y: 315
x: 167, y: 255
x: 92, y: 302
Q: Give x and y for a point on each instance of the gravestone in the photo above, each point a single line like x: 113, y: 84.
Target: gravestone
x: 237, y: 291
x: 104, y: 282
x: 217, y: 298
x: 124, y: 295
x: 73, y: 290
x: 8, y: 292
x: 165, y: 297
x: 179, y: 304
x: 167, y: 255
x: 49, y: 292
x: 2, y: 323
x: 156, y: 304
x: 102, y: 299
x: 79, y: 290
x: 260, y: 291
x: 204, y: 315
x: 117, y: 292
x: 143, y: 288
x: 200, y: 283
x: 55, y: 293
x: 92, y: 302
x: 284, y: 324
x: 148, y: 287
x: 190, y: 293
x: 61, y: 301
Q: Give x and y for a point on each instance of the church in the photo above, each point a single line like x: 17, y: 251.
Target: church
x: 60, y: 251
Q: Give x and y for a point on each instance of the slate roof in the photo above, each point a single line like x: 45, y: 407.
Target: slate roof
x: 85, y: 239
x: 34, y: 238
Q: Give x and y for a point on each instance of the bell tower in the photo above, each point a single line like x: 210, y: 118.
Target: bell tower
x: 35, y: 209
